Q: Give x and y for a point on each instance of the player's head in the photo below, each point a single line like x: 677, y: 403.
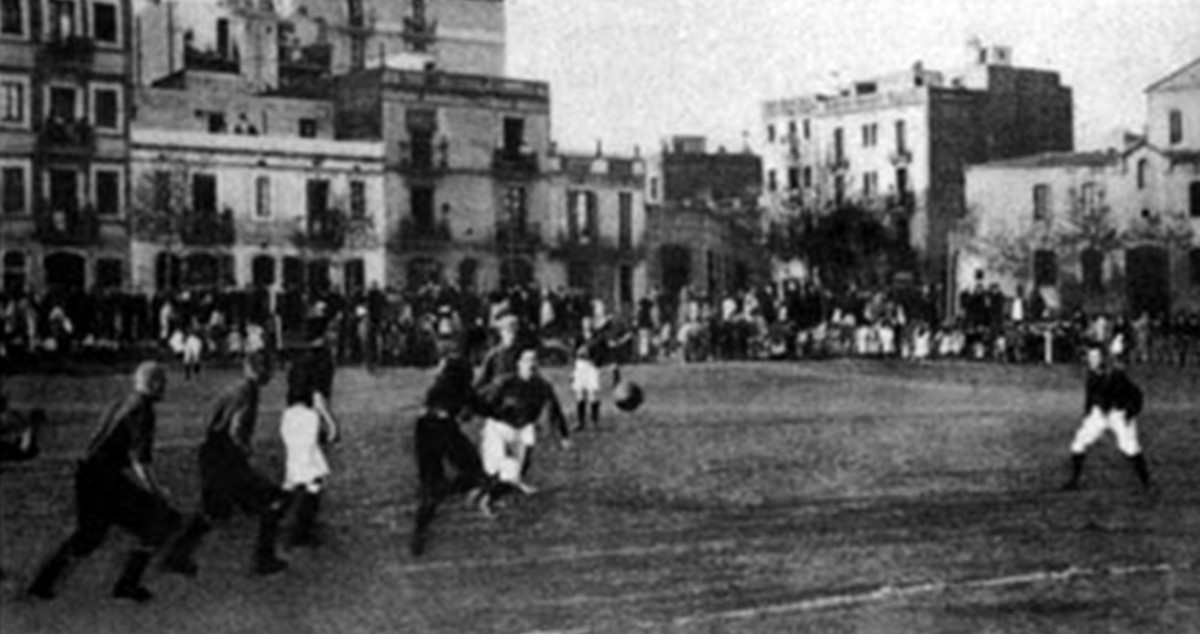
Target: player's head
x: 257, y: 367
x: 507, y: 327
x: 527, y: 363
x: 150, y: 379
x: 452, y: 386
x: 1094, y: 356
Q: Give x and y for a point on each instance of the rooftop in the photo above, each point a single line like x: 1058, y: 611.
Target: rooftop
x: 1057, y: 159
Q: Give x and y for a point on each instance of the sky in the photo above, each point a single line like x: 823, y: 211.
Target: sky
x: 632, y: 72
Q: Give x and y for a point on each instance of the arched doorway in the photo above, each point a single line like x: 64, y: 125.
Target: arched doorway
x: 676, y: 268
x: 422, y: 271
x: 1148, y: 275
x: 65, y: 271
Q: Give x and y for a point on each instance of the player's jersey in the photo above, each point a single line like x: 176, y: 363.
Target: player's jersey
x: 1112, y: 390
x: 235, y: 415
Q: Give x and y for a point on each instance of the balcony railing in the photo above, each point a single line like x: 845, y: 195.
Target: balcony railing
x: 838, y: 163
x: 902, y: 156
x: 507, y: 162
x: 207, y: 228
x: 65, y: 225
x: 69, y: 49
x: 434, y: 163
x: 413, y: 236
x: 577, y: 246
x: 324, y: 231
x: 196, y: 59
x: 518, y: 238
x: 67, y: 136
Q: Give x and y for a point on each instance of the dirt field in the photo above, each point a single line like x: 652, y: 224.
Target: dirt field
x: 841, y: 496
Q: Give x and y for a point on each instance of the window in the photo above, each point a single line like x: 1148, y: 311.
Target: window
x: 1041, y: 202
x: 1045, y: 268
x: 807, y: 129
x: 1143, y: 168
x: 654, y: 188
x: 1092, y: 261
x: 771, y: 184
x: 1194, y: 268
x: 514, y: 135
x: 793, y: 178
x: 358, y: 199
x: 792, y: 130
x: 421, y: 203
x: 62, y: 103
x: 625, y: 285
x: 12, y: 17
x: 1194, y: 199
x: 293, y: 273
x: 1090, y: 197
x: 901, y: 141
x: 204, y: 193
x: 516, y: 206
x: 870, y: 184
x: 1175, y: 123
x: 838, y: 148
x: 62, y: 19
x: 355, y: 276
x: 262, y: 271
x: 839, y: 190
x: 625, y: 220
x: 14, y: 272
x: 161, y: 183
x: 12, y: 92
x: 108, y: 192
x: 870, y: 134
x: 15, y: 195
x: 771, y: 133
x: 104, y: 23
x: 64, y: 190
x: 109, y: 273
x: 216, y: 122
x: 106, y: 108
x: 262, y: 197
x: 308, y: 128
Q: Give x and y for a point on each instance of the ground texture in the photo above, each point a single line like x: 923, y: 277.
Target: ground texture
x: 839, y: 496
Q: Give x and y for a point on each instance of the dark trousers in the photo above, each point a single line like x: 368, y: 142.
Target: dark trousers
x: 439, y: 440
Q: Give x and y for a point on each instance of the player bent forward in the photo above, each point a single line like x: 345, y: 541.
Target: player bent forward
x: 1112, y: 403
x: 306, y: 423
x: 114, y: 485
x: 518, y: 401
x: 228, y: 481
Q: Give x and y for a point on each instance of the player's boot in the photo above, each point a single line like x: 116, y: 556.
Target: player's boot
x: 43, y: 584
x: 304, y: 532
x: 129, y: 586
x: 1143, y: 472
x: 179, y: 558
x: 1076, y: 472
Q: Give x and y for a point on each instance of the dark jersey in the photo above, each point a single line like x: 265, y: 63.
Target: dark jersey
x: 126, y: 429
x: 500, y: 362
x: 310, y: 374
x: 1112, y: 390
x: 235, y: 415
x: 595, y: 348
x: 520, y: 402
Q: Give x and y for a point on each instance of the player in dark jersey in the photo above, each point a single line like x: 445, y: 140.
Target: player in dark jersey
x: 517, y: 402
x: 501, y: 360
x: 115, y: 485
x: 440, y: 439
x: 1112, y: 403
x: 228, y: 481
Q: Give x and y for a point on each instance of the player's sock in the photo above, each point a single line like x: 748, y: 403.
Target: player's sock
x: 129, y: 586
x: 265, y: 560
x: 1076, y: 471
x: 581, y: 414
x: 1139, y: 466
x: 596, y: 413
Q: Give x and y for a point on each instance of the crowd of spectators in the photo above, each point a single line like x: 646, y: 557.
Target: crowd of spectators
x: 791, y: 320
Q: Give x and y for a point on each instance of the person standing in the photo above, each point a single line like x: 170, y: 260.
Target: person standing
x: 115, y: 485
x: 307, y: 424
x: 1112, y: 403
x: 228, y: 481
x: 501, y: 360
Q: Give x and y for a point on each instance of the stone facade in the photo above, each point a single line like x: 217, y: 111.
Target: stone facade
x: 64, y: 144
x: 899, y: 143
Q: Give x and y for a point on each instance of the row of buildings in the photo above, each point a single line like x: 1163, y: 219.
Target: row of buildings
x: 312, y: 145
x: 977, y: 168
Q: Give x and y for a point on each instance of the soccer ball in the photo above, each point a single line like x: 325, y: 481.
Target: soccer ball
x: 628, y: 396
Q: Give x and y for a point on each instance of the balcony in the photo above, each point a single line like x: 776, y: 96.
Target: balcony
x: 515, y: 163
x: 414, y: 236
x: 518, y: 237
x: 208, y: 60
x: 419, y: 32
x: 582, y: 247
x: 207, y: 228
x: 432, y: 162
x: 65, y: 136
x: 838, y: 163
x: 65, y: 225
x: 70, y: 50
x: 901, y: 157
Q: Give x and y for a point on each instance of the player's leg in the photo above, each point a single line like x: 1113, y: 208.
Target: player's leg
x: 154, y: 522
x: 430, y: 446
x: 1125, y: 429
x: 92, y: 495
x: 1090, y: 430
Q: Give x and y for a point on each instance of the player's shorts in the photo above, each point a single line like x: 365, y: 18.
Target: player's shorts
x: 305, y: 464
x: 586, y: 378
x: 1097, y: 422
x: 502, y: 448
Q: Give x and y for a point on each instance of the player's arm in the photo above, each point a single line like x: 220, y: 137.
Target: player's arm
x: 238, y: 423
x: 321, y: 405
x: 554, y: 410
x: 141, y: 447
